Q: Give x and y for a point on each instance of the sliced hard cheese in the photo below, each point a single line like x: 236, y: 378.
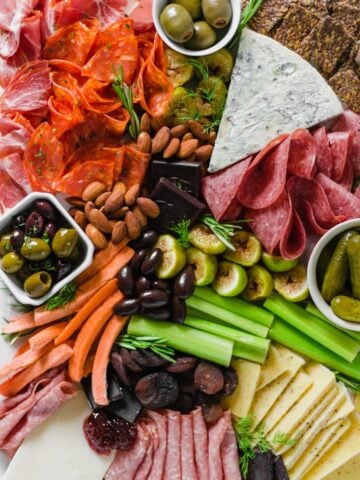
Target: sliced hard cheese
x: 239, y: 403
x: 272, y: 368
x: 272, y: 91
x: 296, y: 389
x: 57, y: 449
x: 343, y: 455
x: 346, y: 408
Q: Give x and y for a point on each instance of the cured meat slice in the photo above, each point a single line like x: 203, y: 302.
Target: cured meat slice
x: 340, y: 146
x: 14, y: 135
x: 188, y: 469
x: 265, y: 178
x: 341, y: 200
x: 201, y: 445
x: 114, y: 32
x: 350, y: 122
x: 142, y: 16
x: 48, y: 21
x: 229, y: 452
x: 109, y: 11
x: 142, y: 473
x: 160, y: 452
x: 95, y: 98
x: 28, y: 90
x: 11, y: 192
x: 220, y: 189
x: 12, y: 164
x: 323, y: 152
x: 293, y: 242
x: 134, y: 166
x: 117, y: 121
x: 347, y: 178
x: 302, y: 154
x: 172, y: 469
x: 216, y: 437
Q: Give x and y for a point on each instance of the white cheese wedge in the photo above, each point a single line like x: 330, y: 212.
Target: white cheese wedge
x: 341, y: 462
x: 239, y: 403
x: 57, y: 449
x: 323, y: 441
x: 296, y: 389
x: 272, y: 91
x: 272, y: 368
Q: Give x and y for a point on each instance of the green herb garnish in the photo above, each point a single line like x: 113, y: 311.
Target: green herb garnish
x: 251, y: 8
x: 181, y: 229
x: 155, y: 344
x: 201, y: 67
x: 348, y: 382
x: 62, y: 298
x: 224, y: 231
x: 124, y: 92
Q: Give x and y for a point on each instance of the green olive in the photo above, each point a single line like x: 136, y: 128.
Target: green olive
x: 217, y: 12
x: 204, y: 36
x: 5, y: 245
x: 38, y: 284
x: 177, y: 23
x: 64, y: 242
x: 192, y: 6
x: 12, y: 262
x: 35, y: 249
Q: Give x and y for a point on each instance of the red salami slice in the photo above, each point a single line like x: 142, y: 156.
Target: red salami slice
x: 160, y: 452
x: 216, y: 437
x: 265, y: 178
x: 350, y: 122
x: 340, y: 146
x: 302, y: 154
x: 323, y: 152
x: 201, y: 445
x: 341, y: 200
x: 293, y: 242
x: 307, y: 215
x: 188, y: 469
x: 347, y: 178
x: 173, y: 454
x: 142, y: 473
x: 229, y: 452
x: 220, y: 189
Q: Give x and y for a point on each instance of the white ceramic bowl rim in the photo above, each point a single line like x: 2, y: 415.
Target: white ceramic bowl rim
x: 158, y: 5
x: 315, y: 293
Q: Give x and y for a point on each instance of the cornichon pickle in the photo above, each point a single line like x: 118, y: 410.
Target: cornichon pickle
x: 347, y: 308
x: 353, y: 253
x: 64, y: 242
x: 338, y: 268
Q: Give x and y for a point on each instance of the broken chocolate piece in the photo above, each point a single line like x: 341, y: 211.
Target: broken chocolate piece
x: 185, y: 175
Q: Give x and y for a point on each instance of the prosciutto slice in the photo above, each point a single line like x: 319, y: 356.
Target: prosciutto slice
x: 12, y: 165
x: 13, y: 135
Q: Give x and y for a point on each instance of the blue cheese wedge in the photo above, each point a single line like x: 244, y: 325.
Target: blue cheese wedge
x: 272, y: 91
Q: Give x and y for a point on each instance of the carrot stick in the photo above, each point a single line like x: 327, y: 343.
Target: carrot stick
x: 46, y: 335
x: 109, y: 271
x: 53, y: 359
x: 22, y: 349
x: 76, y: 322
x: 99, y: 372
x: 101, y: 259
x: 22, y: 316
x: 88, y: 367
x: 20, y: 323
x: 24, y: 360
x: 88, y: 334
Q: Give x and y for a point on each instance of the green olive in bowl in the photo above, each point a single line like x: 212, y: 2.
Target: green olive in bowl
x: 204, y: 36
x: 64, y: 242
x: 217, y: 12
x: 35, y: 249
x: 12, y: 262
x: 38, y: 284
x: 5, y: 244
x: 192, y: 6
x: 177, y: 23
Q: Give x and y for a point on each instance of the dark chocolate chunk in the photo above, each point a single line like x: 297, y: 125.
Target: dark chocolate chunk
x: 185, y: 175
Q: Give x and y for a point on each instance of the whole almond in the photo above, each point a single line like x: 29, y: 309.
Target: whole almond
x: 119, y: 187
x: 133, y: 225
x: 161, y: 140
x: 114, y: 202
x: 88, y: 207
x: 76, y: 202
x: 198, y: 130
x: 72, y: 211
x: 187, y: 136
x: 172, y: 148
x: 119, y: 232
x: 80, y: 219
x: 157, y: 123
x: 99, y: 220
x: 119, y: 213
x: 179, y: 130
x: 203, y: 153
x: 101, y: 199
x: 144, y: 142
x: 148, y: 207
x: 98, y: 239
x: 187, y: 148
x: 140, y: 216
x: 132, y: 194
x: 145, y: 123
x: 93, y: 190
x: 212, y: 138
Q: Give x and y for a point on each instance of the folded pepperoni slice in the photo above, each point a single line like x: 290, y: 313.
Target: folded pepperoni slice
x: 340, y: 147
x: 117, y: 121
x: 323, y: 153
x: 302, y: 154
x: 114, y: 32
x: 96, y: 98
x: 134, y: 166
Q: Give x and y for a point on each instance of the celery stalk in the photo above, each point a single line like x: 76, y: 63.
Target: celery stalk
x: 327, y: 335
x: 311, y: 308
x: 290, y: 337
x: 228, y: 317
x: 185, y: 339
x: 236, y: 305
x: 246, y: 345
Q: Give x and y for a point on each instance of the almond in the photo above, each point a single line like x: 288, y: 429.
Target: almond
x: 187, y: 148
x: 119, y: 213
x: 144, y: 142
x: 101, y: 199
x: 212, y: 138
x: 145, y: 123
x: 132, y: 194
x: 187, y: 136
x: 148, y: 207
x: 172, y: 148
x: 76, y: 202
x: 133, y: 225
x: 161, y: 140
x: 80, y: 219
x: 157, y: 123
x: 179, y: 130
x: 99, y: 220
x: 88, y: 207
x: 114, y: 202
x: 93, y: 190
x: 119, y: 232
x: 198, y: 130
x: 97, y: 238
x: 140, y: 216
x: 72, y: 211
x: 119, y: 187
x: 204, y: 152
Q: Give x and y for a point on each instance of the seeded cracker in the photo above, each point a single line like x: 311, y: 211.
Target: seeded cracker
x: 326, y: 46
x: 270, y: 14
x: 319, y: 7
x: 355, y: 58
x: 349, y: 16
x: 347, y: 86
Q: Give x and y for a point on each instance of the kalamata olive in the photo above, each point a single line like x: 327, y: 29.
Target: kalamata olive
x: 126, y: 281
x: 50, y: 230
x: 184, y: 285
x: 157, y: 390
x: 128, y: 306
x: 24, y: 273
x: 12, y: 262
x: 38, y: 284
x: 63, y: 268
x: 230, y: 381
x: 137, y: 259
x: 156, y: 313
x: 142, y: 284
x: 34, y: 225
x: 129, y: 363
x: 183, y: 364
x: 5, y: 244
x: 147, y: 359
x: 17, y: 239
x: 146, y: 240
x: 117, y: 362
x: 64, y: 242
x: 151, y: 261
x: 153, y: 298
x: 46, y: 209
x: 19, y: 221
x: 35, y: 249
x: 209, y: 378
x: 161, y: 285
x: 178, y: 310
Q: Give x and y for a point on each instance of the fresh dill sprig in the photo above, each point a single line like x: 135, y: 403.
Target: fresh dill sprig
x: 155, y: 344
x: 63, y: 297
x: 248, y: 13
x: 124, y: 92
x: 283, y: 440
x: 201, y: 67
x: 224, y: 231
x: 181, y: 229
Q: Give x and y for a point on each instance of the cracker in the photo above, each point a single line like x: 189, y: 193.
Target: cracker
x: 346, y: 85
x: 349, y: 16
x: 269, y: 14
x: 319, y: 7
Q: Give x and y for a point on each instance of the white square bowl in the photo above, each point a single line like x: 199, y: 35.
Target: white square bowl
x: 11, y: 281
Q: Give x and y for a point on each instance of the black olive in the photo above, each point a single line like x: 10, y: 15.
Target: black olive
x: 137, y: 260
x: 34, y: 225
x: 156, y: 313
x: 178, y: 310
x: 128, y: 306
x: 50, y: 230
x: 63, y: 268
x: 17, y: 239
x: 153, y: 298
x: 19, y: 222
x: 152, y: 261
x: 126, y: 281
x: 184, y: 285
x: 161, y: 285
x: 146, y: 240
x: 142, y: 284
x: 46, y: 210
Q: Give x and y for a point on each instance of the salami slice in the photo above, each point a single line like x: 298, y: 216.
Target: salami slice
x: 160, y: 452
x: 216, y: 437
x: 350, y: 122
x: 264, y: 181
x: 229, y: 452
x: 341, y: 200
x: 142, y: 473
x: 173, y: 454
x: 293, y: 242
x: 188, y: 469
x: 201, y: 445
x: 340, y: 146
x: 323, y: 152
x: 302, y: 154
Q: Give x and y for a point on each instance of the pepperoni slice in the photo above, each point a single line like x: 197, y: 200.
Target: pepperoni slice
x: 96, y: 98
x: 134, y: 166
x: 302, y: 154
x: 114, y: 32
x: 117, y: 121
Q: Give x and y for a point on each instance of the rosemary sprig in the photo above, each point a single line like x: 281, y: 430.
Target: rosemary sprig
x: 124, y: 92
x: 155, y: 344
x: 181, y: 229
x: 248, y: 13
x: 224, y: 231
x: 63, y: 297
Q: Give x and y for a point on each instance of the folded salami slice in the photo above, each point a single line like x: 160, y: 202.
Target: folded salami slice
x: 229, y: 452
x: 341, y: 200
x: 293, y: 242
x: 323, y: 153
x: 160, y: 452
x: 302, y: 154
x: 201, y: 444
x: 350, y: 122
x: 340, y: 146
x: 188, y: 469
x: 142, y: 473
x: 173, y: 454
